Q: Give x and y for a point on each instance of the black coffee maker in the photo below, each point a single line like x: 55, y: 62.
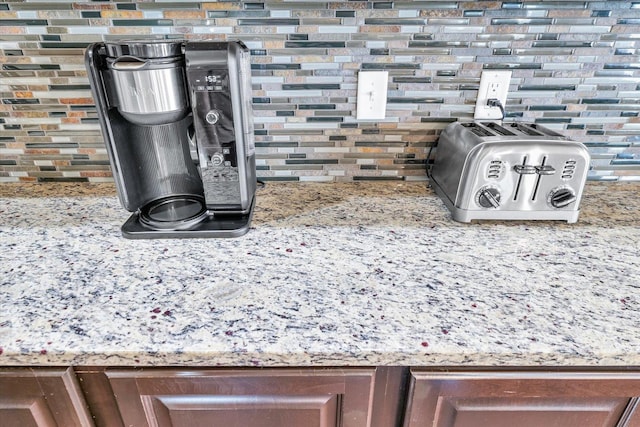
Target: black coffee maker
x: 178, y: 125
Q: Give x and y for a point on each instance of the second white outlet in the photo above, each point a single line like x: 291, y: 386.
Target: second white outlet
x: 372, y: 95
x: 493, y: 85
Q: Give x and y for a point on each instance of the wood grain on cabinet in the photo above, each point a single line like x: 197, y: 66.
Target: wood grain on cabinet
x: 523, y: 399
x: 41, y: 397
x: 242, y: 397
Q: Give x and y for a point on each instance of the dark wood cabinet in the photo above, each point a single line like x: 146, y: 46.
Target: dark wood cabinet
x: 523, y: 399
x: 316, y: 397
x: 41, y: 397
x: 244, y: 397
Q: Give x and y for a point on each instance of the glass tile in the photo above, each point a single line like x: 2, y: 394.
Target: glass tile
x: 269, y: 21
x: 629, y: 21
x: 386, y: 66
x: 321, y: 44
x: 22, y: 22
x: 141, y: 22
x: 521, y: 21
x: 502, y: 66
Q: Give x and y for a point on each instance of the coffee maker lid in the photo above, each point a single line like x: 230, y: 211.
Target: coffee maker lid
x: 145, y: 48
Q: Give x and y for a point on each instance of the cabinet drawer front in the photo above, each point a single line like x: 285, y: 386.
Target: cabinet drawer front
x: 41, y: 397
x: 240, y: 398
x: 501, y: 399
x: 243, y: 410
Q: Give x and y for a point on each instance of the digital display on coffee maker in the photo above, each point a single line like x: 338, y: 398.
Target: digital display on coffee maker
x: 212, y: 81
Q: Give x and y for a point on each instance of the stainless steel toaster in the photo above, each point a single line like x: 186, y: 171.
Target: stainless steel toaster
x: 509, y: 171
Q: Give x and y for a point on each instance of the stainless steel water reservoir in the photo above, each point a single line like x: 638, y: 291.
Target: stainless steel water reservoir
x: 148, y: 81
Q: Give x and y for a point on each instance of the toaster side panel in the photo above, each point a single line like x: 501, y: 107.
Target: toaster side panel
x: 454, y: 144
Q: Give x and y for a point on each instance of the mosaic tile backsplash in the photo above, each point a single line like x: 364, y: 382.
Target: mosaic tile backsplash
x: 575, y: 64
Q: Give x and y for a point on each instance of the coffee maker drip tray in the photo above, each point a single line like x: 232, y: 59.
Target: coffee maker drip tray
x: 174, y: 213
x: 184, y: 216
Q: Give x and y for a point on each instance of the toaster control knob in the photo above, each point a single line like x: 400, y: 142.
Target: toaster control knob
x: 561, y: 197
x: 212, y: 117
x: 488, y: 197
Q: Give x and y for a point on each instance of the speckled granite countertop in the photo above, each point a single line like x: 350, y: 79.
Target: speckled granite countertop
x: 331, y: 274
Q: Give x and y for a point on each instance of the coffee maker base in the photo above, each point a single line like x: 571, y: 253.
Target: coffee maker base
x: 212, y: 226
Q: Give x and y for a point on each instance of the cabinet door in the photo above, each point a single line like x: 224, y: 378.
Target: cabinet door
x: 631, y: 416
x: 242, y: 398
x: 41, y: 397
x: 506, y: 399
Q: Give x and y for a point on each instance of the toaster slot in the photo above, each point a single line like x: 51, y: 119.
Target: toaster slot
x: 542, y: 130
x: 525, y: 129
x: 498, y: 129
x: 478, y: 130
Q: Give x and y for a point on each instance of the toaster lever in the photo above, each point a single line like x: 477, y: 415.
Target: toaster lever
x: 525, y: 169
x: 545, y: 170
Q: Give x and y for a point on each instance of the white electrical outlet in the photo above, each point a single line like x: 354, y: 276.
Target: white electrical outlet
x: 372, y: 95
x: 493, y: 85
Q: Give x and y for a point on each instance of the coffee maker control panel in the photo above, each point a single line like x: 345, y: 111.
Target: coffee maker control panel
x: 212, y: 117
x: 215, y: 135
x: 218, y: 111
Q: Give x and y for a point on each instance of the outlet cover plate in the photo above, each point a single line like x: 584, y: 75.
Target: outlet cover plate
x: 372, y: 95
x: 493, y: 84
